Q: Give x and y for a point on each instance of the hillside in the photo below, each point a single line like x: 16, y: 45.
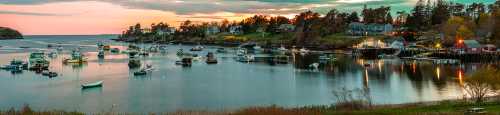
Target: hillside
x: 8, y: 33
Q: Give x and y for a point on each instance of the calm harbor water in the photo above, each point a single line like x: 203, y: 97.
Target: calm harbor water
x: 227, y: 85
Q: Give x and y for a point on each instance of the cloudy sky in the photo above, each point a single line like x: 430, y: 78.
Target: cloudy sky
x: 49, y: 17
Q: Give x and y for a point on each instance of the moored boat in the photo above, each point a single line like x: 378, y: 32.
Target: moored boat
x: 49, y: 74
x: 197, y: 48
x: 246, y: 58
x: 144, y: 71
x: 15, y: 65
x: 92, y: 85
x: 100, y: 54
x: 76, y: 57
x: 37, y: 61
x: 211, y: 59
x: 221, y: 50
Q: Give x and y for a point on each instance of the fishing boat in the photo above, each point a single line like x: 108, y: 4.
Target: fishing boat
x: 15, y: 65
x: 185, y: 62
x: 197, y: 48
x: 144, y: 71
x: 196, y: 57
x: 115, y: 50
x: 92, y: 85
x: 221, y: 50
x: 76, y: 57
x: 49, y: 73
x: 211, y: 59
x: 241, y: 52
x: 100, y: 54
x: 246, y: 58
x: 37, y: 61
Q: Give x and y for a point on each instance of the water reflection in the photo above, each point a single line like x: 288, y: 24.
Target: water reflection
x: 226, y: 85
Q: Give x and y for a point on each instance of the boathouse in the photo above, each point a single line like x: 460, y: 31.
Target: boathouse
x: 468, y: 46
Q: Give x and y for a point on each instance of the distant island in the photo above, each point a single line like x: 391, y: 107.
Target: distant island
x: 8, y: 33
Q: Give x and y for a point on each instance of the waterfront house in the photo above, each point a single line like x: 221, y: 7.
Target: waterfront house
x: 236, y: 30
x: 212, y: 30
x: 167, y: 31
x: 286, y: 28
x: 361, y: 29
x: 468, y: 46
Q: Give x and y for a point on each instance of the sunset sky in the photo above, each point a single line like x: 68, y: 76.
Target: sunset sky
x: 83, y: 17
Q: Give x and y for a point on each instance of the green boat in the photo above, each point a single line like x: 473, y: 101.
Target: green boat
x: 37, y: 60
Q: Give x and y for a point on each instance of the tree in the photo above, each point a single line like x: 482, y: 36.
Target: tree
x: 307, y: 26
x: 353, y: 17
x: 137, y: 29
x: 496, y: 28
x: 482, y: 83
x: 457, y: 28
x: 388, y: 18
x: 417, y: 19
x: 440, y: 13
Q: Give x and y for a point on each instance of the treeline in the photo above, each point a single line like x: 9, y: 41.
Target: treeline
x: 456, y: 21
x: 453, y: 20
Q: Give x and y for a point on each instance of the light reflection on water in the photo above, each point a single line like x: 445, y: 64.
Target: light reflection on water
x: 227, y: 85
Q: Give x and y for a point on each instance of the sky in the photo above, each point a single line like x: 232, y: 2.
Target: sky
x: 89, y: 17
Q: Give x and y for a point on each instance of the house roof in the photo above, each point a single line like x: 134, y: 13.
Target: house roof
x: 472, y: 44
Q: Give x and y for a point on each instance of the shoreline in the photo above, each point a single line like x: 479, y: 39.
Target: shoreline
x: 451, y: 106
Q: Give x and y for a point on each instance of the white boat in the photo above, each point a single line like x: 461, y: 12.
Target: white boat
x: 196, y: 57
x: 246, y: 58
x: 241, y: 52
x: 91, y: 85
x: 257, y: 48
x: 282, y: 49
x: 197, y: 48
x: 314, y: 65
x: 303, y: 50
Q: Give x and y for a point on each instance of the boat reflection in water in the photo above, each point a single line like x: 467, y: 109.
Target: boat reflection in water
x: 171, y: 87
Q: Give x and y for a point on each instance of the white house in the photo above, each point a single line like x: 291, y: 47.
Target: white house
x: 212, y: 30
x: 362, y: 29
x: 236, y: 29
x: 167, y: 31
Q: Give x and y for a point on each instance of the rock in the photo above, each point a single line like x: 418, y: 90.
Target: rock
x: 8, y: 33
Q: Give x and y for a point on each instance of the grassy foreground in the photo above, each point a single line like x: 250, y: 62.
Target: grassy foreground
x: 443, y: 107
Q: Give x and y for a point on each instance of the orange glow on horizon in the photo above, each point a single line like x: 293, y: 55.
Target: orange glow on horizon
x: 91, y: 17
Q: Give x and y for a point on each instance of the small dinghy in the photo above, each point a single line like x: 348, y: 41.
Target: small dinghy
x: 91, y: 85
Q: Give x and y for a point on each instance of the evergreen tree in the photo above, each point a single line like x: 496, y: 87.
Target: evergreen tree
x: 440, y: 13
x: 417, y: 19
x: 388, y: 18
x: 353, y: 17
